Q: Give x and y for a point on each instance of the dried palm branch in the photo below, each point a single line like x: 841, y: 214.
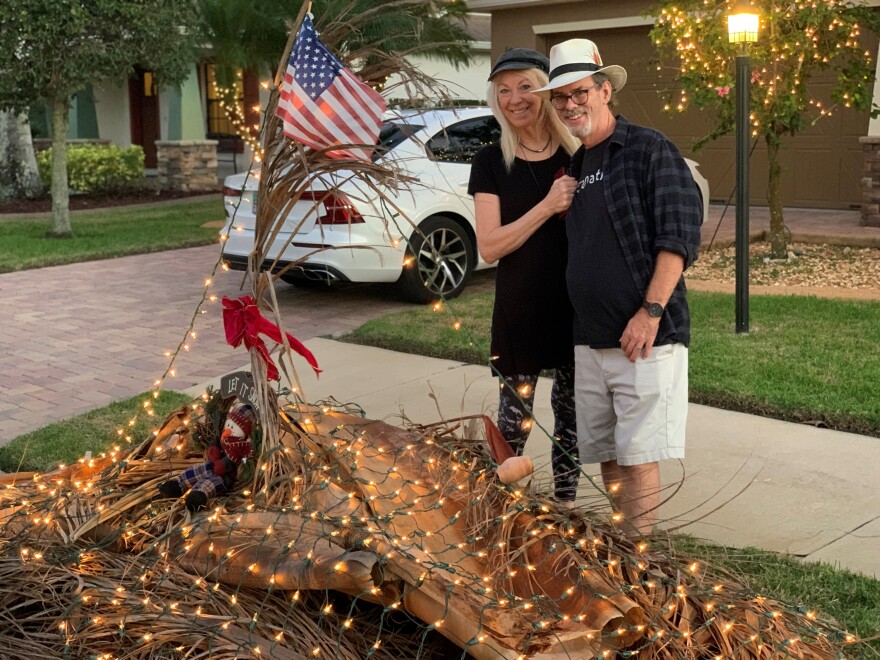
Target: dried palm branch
x: 413, y: 520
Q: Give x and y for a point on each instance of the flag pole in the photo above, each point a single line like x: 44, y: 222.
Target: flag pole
x: 282, y: 66
x: 267, y: 410
x: 268, y: 140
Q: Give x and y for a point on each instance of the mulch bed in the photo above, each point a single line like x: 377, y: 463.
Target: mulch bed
x: 81, y: 202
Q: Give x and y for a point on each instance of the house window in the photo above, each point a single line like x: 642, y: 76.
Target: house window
x: 241, y: 121
x: 219, y: 122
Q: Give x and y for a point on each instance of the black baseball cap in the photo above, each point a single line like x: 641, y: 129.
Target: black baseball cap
x: 520, y: 58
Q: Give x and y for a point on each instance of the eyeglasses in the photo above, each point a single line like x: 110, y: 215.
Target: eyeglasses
x: 578, y: 97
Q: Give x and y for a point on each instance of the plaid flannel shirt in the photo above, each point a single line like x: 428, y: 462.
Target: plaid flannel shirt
x: 654, y: 205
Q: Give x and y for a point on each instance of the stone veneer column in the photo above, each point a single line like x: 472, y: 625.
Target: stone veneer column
x: 871, y: 181
x: 187, y: 165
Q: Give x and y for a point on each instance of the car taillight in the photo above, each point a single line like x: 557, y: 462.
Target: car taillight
x: 338, y: 209
x: 231, y: 192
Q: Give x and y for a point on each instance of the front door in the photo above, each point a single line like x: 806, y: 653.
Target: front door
x: 143, y: 97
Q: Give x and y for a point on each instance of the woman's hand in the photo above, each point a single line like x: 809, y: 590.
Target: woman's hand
x: 561, y: 193
x: 495, y: 241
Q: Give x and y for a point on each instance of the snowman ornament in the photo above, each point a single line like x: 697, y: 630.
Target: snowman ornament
x: 217, y: 474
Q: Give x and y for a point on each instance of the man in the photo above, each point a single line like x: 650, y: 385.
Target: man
x: 633, y: 227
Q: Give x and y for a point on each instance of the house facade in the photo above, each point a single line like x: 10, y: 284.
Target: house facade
x: 463, y: 83
x: 189, y: 125
x: 823, y: 167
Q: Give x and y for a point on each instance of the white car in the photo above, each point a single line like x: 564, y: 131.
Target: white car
x: 349, y: 233
x: 436, y: 147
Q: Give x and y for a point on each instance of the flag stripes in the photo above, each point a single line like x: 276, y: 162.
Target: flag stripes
x: 323, y: 104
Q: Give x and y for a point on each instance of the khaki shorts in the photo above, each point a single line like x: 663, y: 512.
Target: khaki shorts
x: 633, y: 413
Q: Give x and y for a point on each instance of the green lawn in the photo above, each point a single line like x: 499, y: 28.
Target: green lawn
x: 94, y: 431
x: 109, y: 233
x: 805, y: 359
x: 850, y: 599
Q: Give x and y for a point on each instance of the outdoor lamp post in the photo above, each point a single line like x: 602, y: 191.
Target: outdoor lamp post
x: 742, y: 28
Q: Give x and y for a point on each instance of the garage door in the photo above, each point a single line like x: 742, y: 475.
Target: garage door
x: 822, y: 167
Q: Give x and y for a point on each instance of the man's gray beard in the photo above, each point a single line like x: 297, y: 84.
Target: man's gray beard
x: 583, y: 131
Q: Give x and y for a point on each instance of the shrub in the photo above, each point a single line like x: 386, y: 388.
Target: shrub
x: 97, y: 169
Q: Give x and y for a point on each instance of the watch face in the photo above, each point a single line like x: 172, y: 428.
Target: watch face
x: 655, y: 310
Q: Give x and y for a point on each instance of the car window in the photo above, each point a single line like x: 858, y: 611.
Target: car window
x: 460, y: 142
x: 391, y: 134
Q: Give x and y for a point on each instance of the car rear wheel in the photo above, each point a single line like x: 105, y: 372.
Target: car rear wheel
x: 438, y: 261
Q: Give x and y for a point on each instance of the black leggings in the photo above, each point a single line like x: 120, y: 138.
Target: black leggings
x: 518, y: 394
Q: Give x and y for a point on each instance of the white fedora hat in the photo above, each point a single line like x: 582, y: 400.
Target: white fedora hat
x: 576, y: 59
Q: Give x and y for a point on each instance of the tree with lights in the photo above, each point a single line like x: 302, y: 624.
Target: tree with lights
x: 52, y: 50
x: 797, y: 39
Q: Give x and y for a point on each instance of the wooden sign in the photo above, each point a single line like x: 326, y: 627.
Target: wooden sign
x: 240, y: 384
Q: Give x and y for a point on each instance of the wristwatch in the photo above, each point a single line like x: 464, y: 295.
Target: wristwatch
x: 655, y: 310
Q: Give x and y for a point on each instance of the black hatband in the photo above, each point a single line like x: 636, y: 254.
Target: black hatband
x: 568, y: 68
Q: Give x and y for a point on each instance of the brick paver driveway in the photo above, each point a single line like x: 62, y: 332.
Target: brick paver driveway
x: 78, y: 337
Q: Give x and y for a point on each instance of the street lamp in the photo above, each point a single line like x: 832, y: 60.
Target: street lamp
x: 742, y: 29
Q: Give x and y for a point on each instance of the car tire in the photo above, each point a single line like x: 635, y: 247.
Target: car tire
x: 425, y: 280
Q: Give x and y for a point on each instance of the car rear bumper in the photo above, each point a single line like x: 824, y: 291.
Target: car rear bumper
x: 306, y: 271
x: 354, y: 261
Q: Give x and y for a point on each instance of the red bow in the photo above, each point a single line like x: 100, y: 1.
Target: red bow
x: 243, y: 322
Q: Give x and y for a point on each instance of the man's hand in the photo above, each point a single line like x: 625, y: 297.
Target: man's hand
x: 639, y: 335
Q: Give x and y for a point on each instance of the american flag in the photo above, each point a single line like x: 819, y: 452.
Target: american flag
x: 323, y: 104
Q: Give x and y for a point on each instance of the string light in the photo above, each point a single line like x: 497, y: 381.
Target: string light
x: 792, y: 35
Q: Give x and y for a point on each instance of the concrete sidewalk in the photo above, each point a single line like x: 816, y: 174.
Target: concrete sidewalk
x: 746, y: 481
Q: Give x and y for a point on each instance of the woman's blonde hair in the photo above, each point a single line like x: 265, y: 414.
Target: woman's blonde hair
x: 547, y: 118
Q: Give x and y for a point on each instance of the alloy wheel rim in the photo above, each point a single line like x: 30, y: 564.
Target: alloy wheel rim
x: 443, y: 261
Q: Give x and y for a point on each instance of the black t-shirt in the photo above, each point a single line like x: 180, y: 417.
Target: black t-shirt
x: 532, y: 318
x: 600, y: 284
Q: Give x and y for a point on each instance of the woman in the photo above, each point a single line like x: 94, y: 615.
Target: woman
x: 520, y: 193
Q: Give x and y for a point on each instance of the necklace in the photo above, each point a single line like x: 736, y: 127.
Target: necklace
x: 532, y: 172
x: 538, y: 151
